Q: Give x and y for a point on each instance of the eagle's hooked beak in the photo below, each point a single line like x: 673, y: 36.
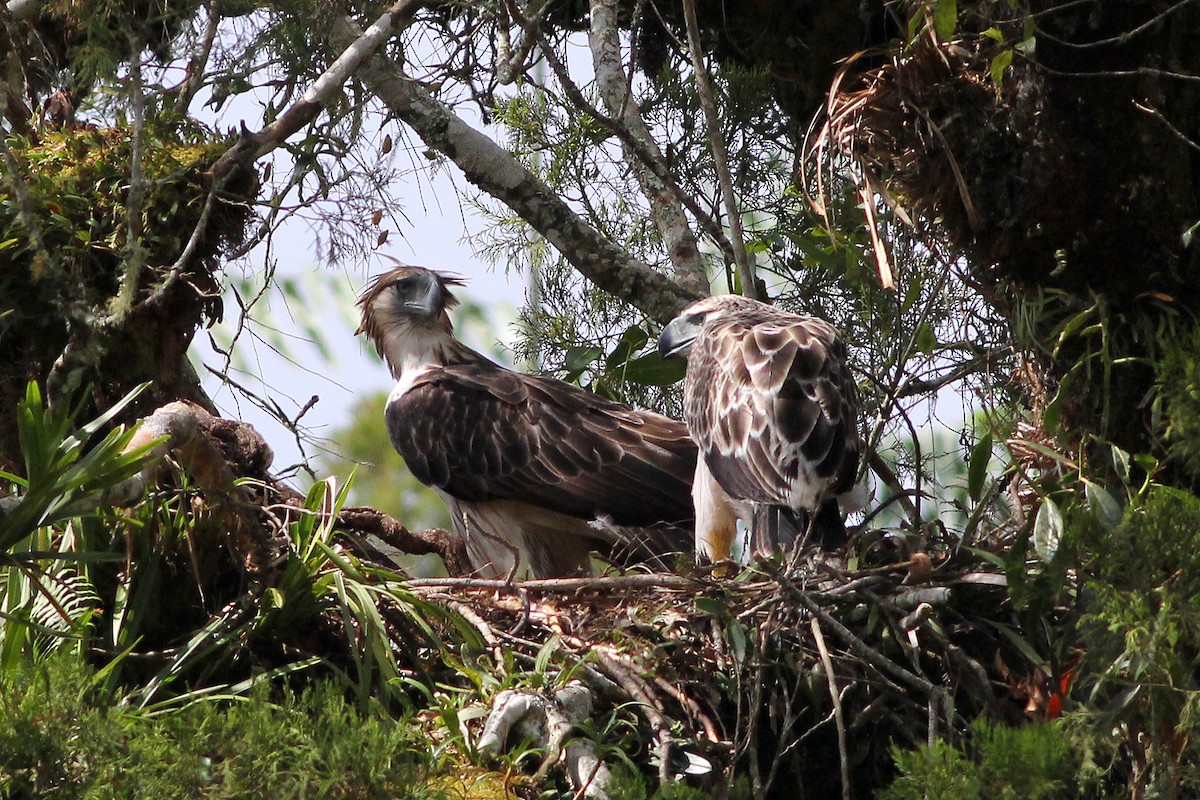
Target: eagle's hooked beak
x: 430, y: 302
x: 676, y: 339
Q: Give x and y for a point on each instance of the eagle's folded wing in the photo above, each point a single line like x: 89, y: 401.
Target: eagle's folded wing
x: 775, y: 417
x: 483, y: 433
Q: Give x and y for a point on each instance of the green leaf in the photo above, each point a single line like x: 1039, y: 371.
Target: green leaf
x: 1047, y: 530
x: 985, y: 555
x: 1000, y: 63
x: 1121, y: 462
x: 914, y: 23
x: 981, y: 457
x: 945, y: 18
x: 710, y: 605
x: 911, y: 295
x: 1103, y: 505
x: 1019, y: 642
x: 654, y: 370
x: 736, y: 635
x: 273, y: 598
x: 1053, y: 412
x: 1075, y: 325
x: 579, y: 358
x: 926, y: 339
x: 632, y: 340
x: 545, y: 653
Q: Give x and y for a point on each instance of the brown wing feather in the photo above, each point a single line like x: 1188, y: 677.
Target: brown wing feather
x: 481, y: 432
x: 771, y: 405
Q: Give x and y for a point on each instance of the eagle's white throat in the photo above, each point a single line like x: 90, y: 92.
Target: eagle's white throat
x: 410, y: 345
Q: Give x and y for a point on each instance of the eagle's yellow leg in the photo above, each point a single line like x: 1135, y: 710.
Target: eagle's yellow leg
x: 716, y: 520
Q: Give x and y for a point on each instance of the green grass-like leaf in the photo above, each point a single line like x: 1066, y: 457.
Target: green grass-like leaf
x: 63, y: 477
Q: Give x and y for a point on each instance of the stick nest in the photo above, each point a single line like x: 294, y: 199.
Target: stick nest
x: 799, y: 676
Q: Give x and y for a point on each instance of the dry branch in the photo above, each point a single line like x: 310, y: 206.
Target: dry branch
x: 216, y: 452
x: 364, y: 522
x: 716, y: 139
x: 836, y: 698
x: 191, y: 438
x: 655, y: 646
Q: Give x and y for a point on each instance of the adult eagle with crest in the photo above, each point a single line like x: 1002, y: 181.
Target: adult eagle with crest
x: 535, y: 472
x: 771, y: 404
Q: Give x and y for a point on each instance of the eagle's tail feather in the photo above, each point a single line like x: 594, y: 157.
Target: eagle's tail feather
x: 780, y: 527
x: 657, y: 545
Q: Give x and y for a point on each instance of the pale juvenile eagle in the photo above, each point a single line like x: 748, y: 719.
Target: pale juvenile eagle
x: 535, y: 472
x: 771, y: 404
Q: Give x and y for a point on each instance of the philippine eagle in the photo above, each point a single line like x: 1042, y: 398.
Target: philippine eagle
x: 771, y: 404
x: 535, y: 472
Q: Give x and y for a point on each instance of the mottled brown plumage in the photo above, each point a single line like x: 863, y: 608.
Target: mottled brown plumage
x: 771, y: 404
x: 536, y: 472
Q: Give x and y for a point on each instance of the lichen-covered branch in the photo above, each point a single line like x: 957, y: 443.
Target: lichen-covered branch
x: 498, y: 173
x: 665, y: 208
x: 648, y: 159
x: 134, y: 257
x: 510, y: 62
x: 720, y: 156
x: 194, y: 78
x: 355, y: 51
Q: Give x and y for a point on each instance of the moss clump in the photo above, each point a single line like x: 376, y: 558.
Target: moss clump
x: 75, y: 185
x: 1034, y: 762
x: 60, y: 742
x: 78, y: 182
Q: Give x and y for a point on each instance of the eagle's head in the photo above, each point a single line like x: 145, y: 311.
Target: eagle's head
x: 404, y: 310
x: 677, y: 338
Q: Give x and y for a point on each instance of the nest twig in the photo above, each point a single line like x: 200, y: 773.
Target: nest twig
x: 825, y: 652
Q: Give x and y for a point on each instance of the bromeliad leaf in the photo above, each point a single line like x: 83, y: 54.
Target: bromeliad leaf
x: 981, y: 457
x: 64, y: 478
x: 1047, y: 530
